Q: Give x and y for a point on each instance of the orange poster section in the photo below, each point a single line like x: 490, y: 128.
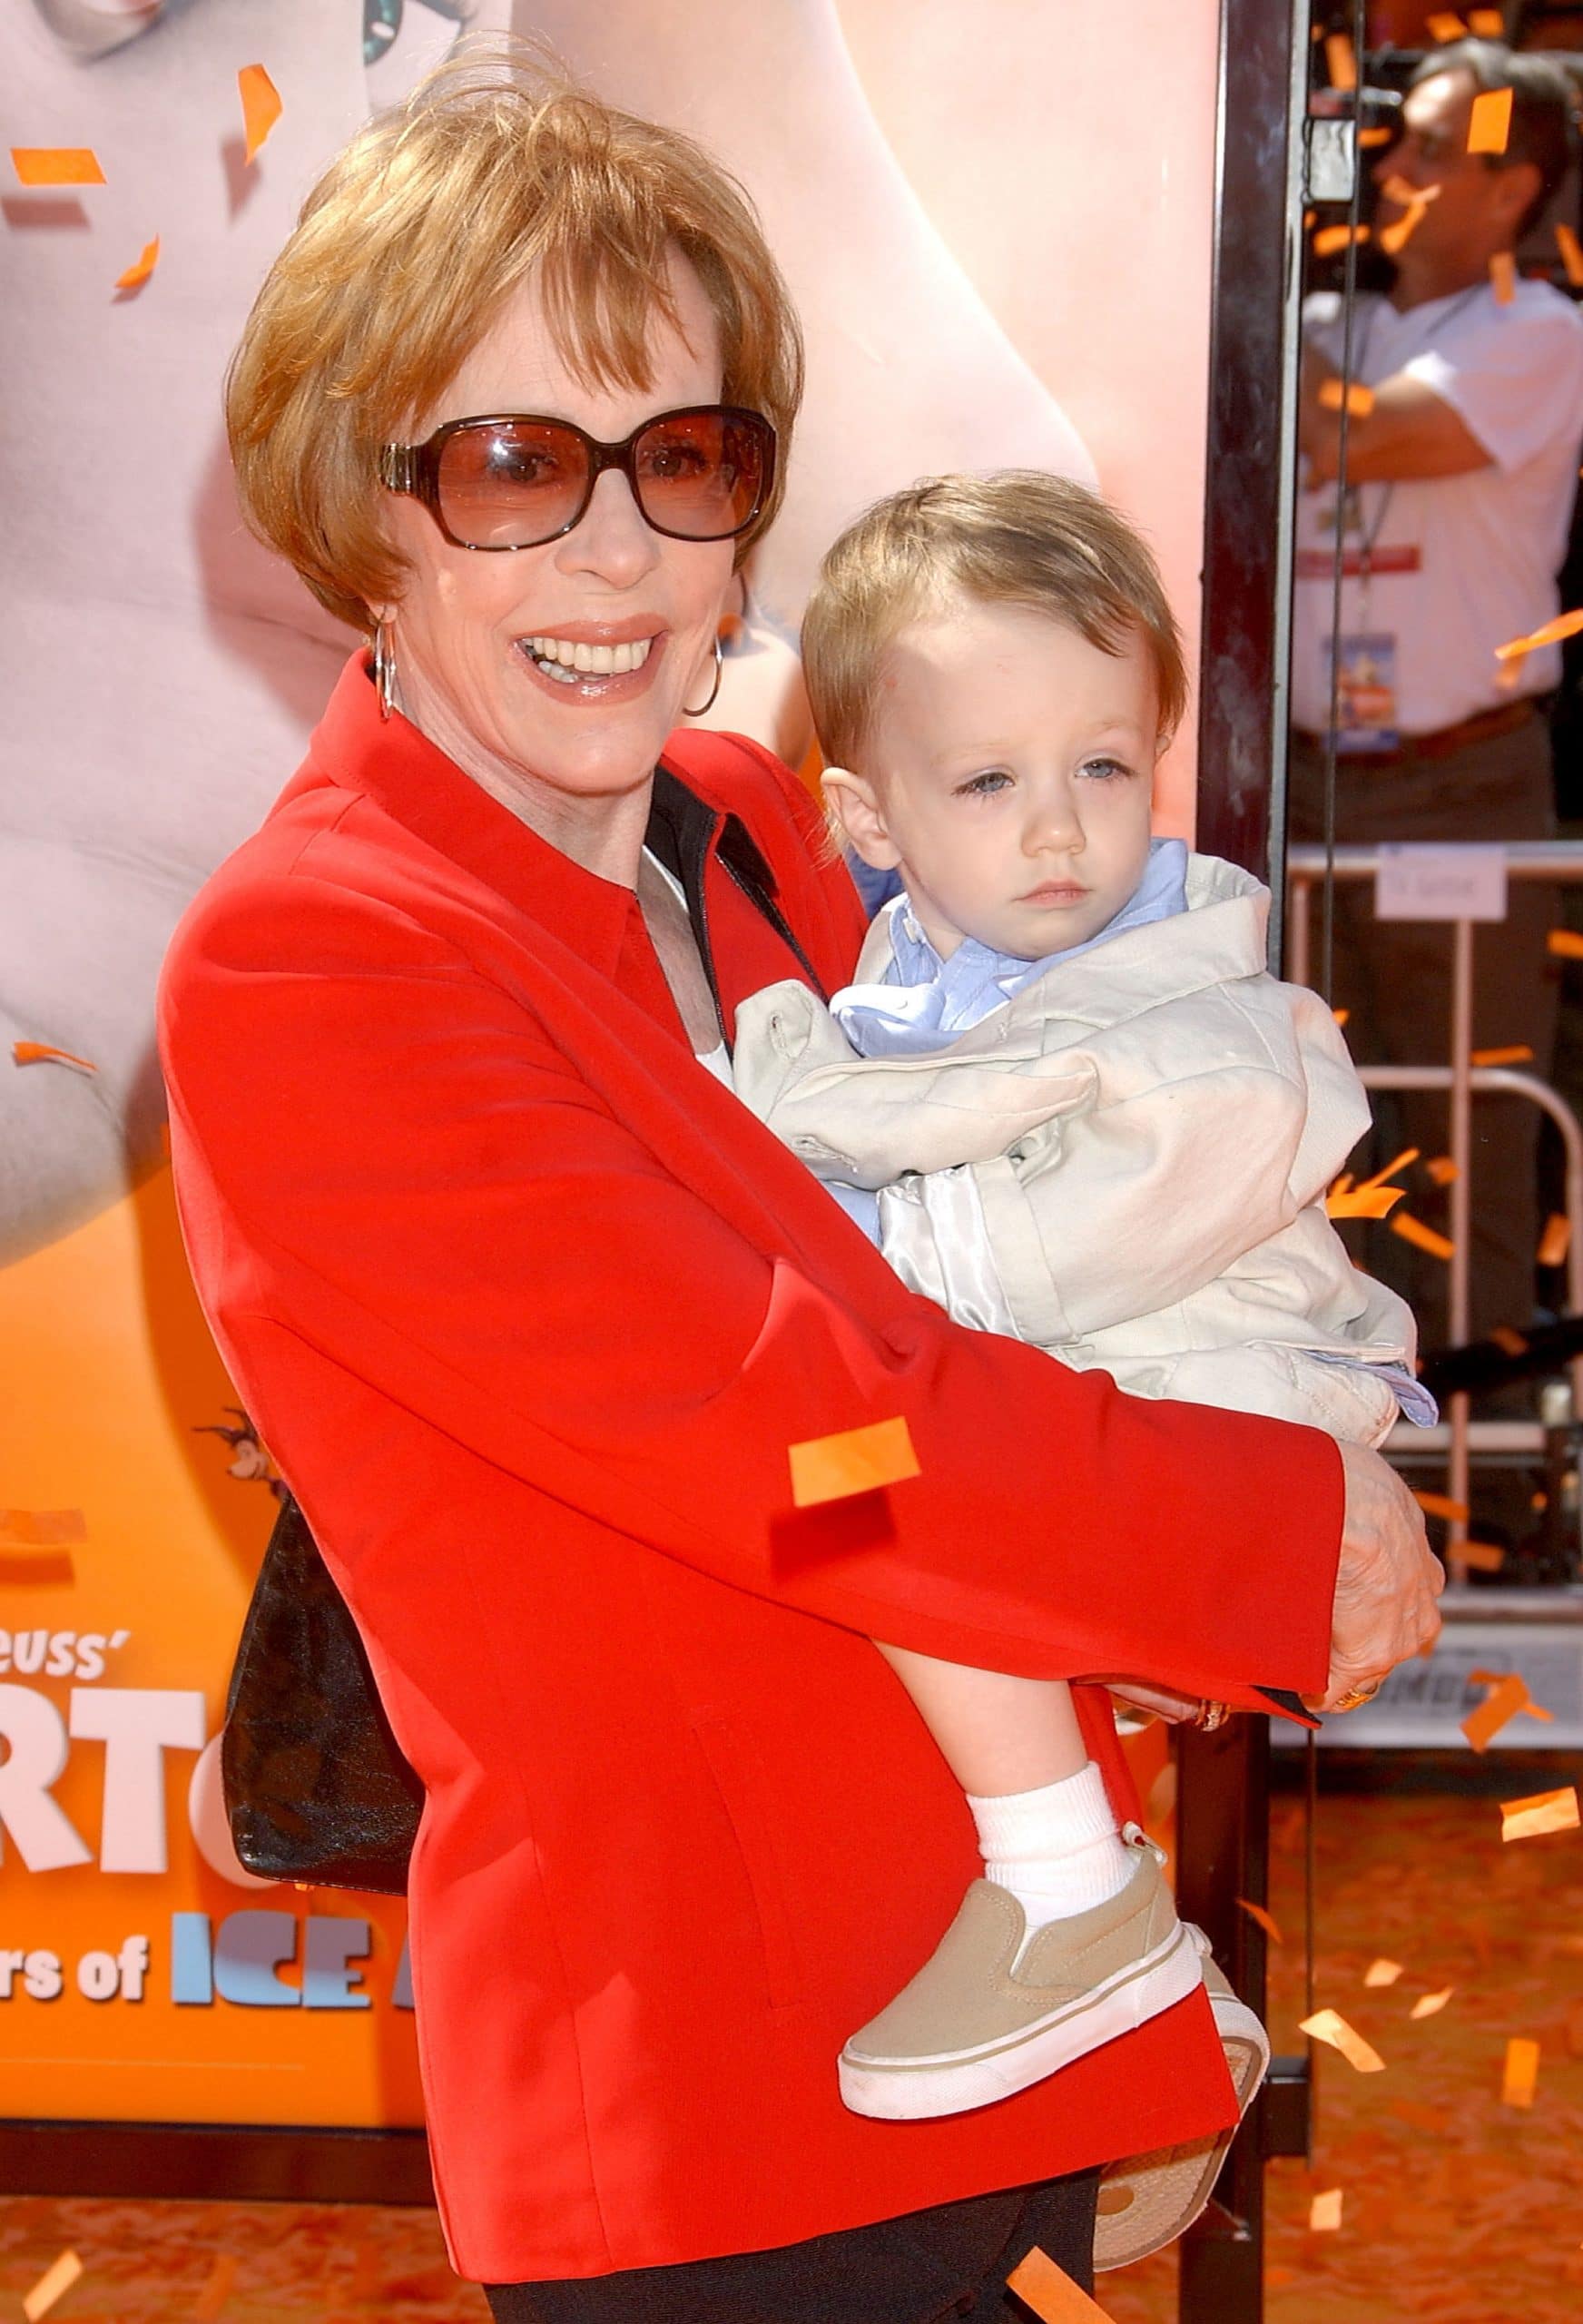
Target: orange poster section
x: 111, y: 1684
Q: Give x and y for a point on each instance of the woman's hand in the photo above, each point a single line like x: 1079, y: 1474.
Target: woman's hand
x: 1387, y: 1582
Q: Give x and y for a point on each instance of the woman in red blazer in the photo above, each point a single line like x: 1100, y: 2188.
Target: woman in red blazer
x: 530, y: 1310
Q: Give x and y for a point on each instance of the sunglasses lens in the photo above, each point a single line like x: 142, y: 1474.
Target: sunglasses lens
x: 510, y: 484
x: 702, y: 475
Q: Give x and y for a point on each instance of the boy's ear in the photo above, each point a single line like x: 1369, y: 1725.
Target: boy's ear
x: 850, y: 803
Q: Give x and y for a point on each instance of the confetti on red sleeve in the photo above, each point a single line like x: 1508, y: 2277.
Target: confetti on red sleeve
x: 1050, y: 2292
x: 52, y: 2286
x: 1556, y: 1241
x: 46, y: 1053
x: 1266, y: 1920
x: 57, y: 165
x: 1540, y: 1812
x: 1490, y: 122
x: 1503, y: 277
x: 1325, y: 2213
x: 1359, y: 400
x: 853, y: 1461
x: 142, y: 267
x: 1422, y: 1239
x: 1328, y: 2025
x: 260, y: 106
x: 40, y: 1529
x: 1522, y: 2073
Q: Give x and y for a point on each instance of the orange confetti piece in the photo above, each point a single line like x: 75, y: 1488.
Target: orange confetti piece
x: 1522, y: 2072
x: 1556, y: 1240
x: 1382, y: 1973
x: 1565, y: 943
x: 1394, y: 237
x: 1488, y: 23
x: 1508, y: 1342
x: 1341, y: 61
x: 1514, y: 1053
x: 1486, y: 1557
x: 1541, y: 1812
x: 41, y: 1568
x: 217, y: 2289
x: 1490, y: 122
x: 1325, y: 2213
x: 260, y: 106
x: 51, y: 2286
x: 1397, y: 1162
x: 1431, y: 2005
x: 1444, y: 27
x: 854, y: 1460
x: 46, y: 1053
x: 1266, y: 1920
x: 40, y: 1529
x: 57, y: 165
x: 1369, y: 139
x: 1552, y: 634
x: 1571, y: 255
x: 1503, y: 277
x: 1330, y: 239
x: 138, y: 272
x: 1363, y: 1202
x: 1328, y: 2025
x: 1423, y: 1239
x: 1442, y: 1169
x: 1507, y: 1697
x: 1358, y: 398
x: 1050, y: 2292
x: 1441, y: 1504
x: 1340, y: 1015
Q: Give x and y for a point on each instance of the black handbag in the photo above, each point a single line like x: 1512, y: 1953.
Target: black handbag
x: 316, y: 1787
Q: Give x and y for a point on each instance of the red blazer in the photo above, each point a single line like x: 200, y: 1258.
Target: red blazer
x: 529, y: 1309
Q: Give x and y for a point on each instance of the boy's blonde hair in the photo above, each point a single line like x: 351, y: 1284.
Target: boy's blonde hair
x: 1017, y: 538
x: 497, y: 168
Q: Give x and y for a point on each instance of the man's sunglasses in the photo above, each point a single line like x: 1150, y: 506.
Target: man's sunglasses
x: 701, y: 474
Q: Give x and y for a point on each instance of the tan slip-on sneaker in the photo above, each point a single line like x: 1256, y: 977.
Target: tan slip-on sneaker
x: 1149, y: 2199
x: 994, y: 2010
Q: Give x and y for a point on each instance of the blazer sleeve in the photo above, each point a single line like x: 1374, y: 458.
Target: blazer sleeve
x: 381, y: 1155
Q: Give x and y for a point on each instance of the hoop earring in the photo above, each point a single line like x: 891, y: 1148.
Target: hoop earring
x: 708, y: 704
x: 384, y: 669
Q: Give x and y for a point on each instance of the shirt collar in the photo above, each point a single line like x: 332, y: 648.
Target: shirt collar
x: 415, y: 782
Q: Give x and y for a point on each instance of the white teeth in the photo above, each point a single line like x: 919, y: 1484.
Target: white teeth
x: 559, y: 657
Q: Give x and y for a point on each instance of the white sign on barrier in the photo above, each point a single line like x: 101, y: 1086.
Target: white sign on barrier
x: 1442, y: 881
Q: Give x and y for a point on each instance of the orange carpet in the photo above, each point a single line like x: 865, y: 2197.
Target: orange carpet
x: 1455, y: 2206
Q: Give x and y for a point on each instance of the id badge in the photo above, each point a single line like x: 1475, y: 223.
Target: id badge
x: 1366, y: 691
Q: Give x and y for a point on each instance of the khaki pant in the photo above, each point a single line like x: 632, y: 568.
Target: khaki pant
x: 1394, y: 979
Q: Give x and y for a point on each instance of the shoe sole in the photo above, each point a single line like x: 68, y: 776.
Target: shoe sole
x: 1152, y: 2199
x: 911, y: 2090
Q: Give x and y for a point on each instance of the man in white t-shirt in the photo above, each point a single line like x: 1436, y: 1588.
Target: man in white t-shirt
x: 1462, y: 478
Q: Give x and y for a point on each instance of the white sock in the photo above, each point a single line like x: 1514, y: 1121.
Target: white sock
x: 1058, y: 1849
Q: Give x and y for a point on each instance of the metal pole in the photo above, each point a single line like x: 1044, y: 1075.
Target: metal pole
x: 1461, y: 1148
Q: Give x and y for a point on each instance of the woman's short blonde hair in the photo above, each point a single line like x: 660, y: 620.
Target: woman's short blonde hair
x: 497, y: 168
x: 1018, y: 538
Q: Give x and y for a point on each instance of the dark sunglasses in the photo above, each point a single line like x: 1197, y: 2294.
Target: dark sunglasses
x: 701, y: 474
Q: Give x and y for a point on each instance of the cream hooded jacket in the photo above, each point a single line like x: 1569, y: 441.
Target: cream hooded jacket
x: 1125, y: 1164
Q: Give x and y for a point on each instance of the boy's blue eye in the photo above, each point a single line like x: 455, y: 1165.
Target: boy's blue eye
x: 983, y: 786
x: 1105, y: 770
